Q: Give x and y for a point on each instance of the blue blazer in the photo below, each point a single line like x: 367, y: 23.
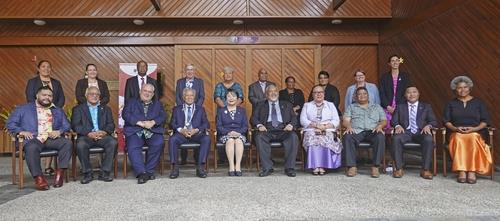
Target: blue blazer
x: 199, y: 119
x: 225, y: 124
x: 36, y: 82
x: 24, y: 118
x: 197, y: 86
x: 134, y: 111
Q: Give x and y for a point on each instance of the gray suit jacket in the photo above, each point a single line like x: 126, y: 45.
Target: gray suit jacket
x: 255, y: 93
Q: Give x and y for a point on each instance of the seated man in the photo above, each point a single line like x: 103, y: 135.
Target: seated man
x: 189, y: 122
x: 42, y: 125
x: 413, y: 122
x: 275, y: 121
x: 144, y: 119
x: 94, y: 125
x: 364, y: 122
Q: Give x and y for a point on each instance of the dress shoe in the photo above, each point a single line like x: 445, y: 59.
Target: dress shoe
x: 352, y: 171
x: 87, y: 178
x: 231, y: 173
x: 426, y: 174
x: 142, y: 178
x: 59, y: 178
x: 238, y: 173
x: 41, y: 183
x: 471, y: 180
x: 460, y: 178
x: 290, y: 172
x: 151, y: 176
x: 183, y: 162
x: 104, y: 176
x: 200, y: 172
x: 174, y: 173
x: 375, y: 173
x: 266, y: 172
x: 398, y: 173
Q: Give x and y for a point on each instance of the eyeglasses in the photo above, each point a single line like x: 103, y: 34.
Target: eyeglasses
x: 318, y: 92
x: 94, y: 94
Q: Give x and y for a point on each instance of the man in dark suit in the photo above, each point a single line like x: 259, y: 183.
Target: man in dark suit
x: 190, y: 81
x: 134, y: 84
x: 275, y: 121
x: 189, y: 122
x: 42, y: 126
x: 413, y: 122
x: 93, y: 122
x: 256, y: 90
x: 144, y: 119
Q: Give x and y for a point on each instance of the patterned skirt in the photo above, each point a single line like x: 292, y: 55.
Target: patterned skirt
x: 225, y: 138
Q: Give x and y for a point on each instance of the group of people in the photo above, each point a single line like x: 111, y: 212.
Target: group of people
x: 276, y: 116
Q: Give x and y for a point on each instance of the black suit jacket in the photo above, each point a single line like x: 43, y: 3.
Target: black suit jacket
x: 387, y: 91
x: 425, y: 116
x: 83, y: 84
x: 132, y: 88
x: 261, y: 114
x: 81, y: 120
x: 36, y: 82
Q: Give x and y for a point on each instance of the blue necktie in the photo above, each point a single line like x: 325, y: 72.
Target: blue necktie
x: 274, y: 115
x: 413, y: 119
x: 189, y: 115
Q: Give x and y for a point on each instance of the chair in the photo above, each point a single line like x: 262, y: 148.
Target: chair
x: 145, y: 150
x: 92, y: 150
x: 417, y: 146
x: 445, y: 149
x: 189, y: 145
x: 18, y: 152
x: 247, y: 146
x: 362, y: 145
x: 277, y: 144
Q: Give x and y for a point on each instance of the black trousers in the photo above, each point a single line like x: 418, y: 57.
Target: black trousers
x: 84, y: 143
x: 33, y: 147
x: 425, y: 140
x: 351, y: 142
x: 290, y: 143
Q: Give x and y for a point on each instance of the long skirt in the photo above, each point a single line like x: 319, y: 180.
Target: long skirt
x: 470, y: 153
x: 318, y: 156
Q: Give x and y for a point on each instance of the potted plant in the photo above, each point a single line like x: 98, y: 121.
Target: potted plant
x: 5, y: 140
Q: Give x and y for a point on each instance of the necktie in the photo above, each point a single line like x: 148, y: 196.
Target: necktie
x: 413, y: 119
x: 189, y: 84
x: 274, y: 115
x: 263, y: 86
x: 189, y: 115
x: 142, y: 81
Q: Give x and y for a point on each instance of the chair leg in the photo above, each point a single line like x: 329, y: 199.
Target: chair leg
x: 125, y: 156
x: 115, y: 166
x: 215, y: 159
x: 434, y: 162
x: 21, y: 169
x: 444, y: 162
x: 13, y: 161
x: 73, y: 165
x: 258, y: 160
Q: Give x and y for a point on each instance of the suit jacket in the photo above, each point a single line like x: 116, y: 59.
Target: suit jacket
x: 24, y: 118
x: 261, y: 114
x: 81, y: 120
x: 425, y: 116
x: 199, y: 119
x: 197, y: 86
x: 36, y: 82
x: 226, y: 124
x: 83, y: 84
x: 132, y: 88
x: 134, y: 112
x: 255, y: 93
x: 387, y: 89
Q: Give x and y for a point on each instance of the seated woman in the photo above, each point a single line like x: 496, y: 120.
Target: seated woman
x: 467, y: 118
x: 319, y: 119
x: 91, y: 80
x: 232, y: 128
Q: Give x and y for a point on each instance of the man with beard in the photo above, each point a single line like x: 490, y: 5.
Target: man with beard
x: 42, y: 126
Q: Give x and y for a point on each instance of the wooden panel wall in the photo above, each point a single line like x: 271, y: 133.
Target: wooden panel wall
x: 461, y: 40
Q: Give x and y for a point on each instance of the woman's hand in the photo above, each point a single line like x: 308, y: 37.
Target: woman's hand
x: 390, y: 109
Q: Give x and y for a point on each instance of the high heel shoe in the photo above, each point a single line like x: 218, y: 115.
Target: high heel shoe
x: 238, y: 173
x: 231, y: 173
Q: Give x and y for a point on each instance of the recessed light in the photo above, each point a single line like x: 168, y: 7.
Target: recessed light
x: 238, y: 22
x: 39, y: 22
x: 337, y: 21
x: 138, y: 21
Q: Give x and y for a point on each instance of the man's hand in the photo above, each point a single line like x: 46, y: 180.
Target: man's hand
x: 288, y: 127
x: 399, y: 130
x: 26, y: 134
x: 93, y: 135
x: 54, y: 134
x: 348, y: 130
x: 426, y: 130
x: 149, y: 124
x: 261, y: 128
x: 378, y: 129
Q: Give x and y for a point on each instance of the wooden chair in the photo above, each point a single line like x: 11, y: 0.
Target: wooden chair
x: 92, y: 150
x: 277, y: 144
x: 445, y: 150
x: 190, y: 146
x: 361, y: 145
x: 18, y: 152
x: 247, y: 147
x: 145, y: 150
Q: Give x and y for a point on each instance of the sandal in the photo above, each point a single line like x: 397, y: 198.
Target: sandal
x: 470, y: 180
x: 315, y: 172
x: 49, y: 171
x: 461, y: 179
x: 321, y: 172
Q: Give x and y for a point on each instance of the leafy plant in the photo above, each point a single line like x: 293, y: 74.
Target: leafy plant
x: 4, y: 116
x: 168, y: 113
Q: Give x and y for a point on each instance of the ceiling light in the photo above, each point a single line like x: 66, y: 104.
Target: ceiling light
x: 138, y: 21
x: 238, y: 22
x: 39, y: 22
x: 337, y: 21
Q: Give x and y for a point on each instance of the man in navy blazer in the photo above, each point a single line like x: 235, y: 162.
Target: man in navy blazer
x: 189, y: 122
x: 144, y: 119
x: 413, y: 122
x: 134, y: 84
x: 93, y: 122
x: 275, y: 120
x: 42, y: 125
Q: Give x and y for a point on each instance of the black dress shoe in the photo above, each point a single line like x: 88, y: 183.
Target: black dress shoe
x: 151, y: 176
x: 200, y: 172
x: 266, y: 172
x: 290, y: 172
x: 142, y: 178
x: 183, y: 162
x: 87, y: 178
x: 174, y: 173
x: 104, y: 176
x: 238, y: 173
x: 231, y: 173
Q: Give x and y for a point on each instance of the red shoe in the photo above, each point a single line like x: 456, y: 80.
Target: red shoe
x: 41, y: 183
x: 59, y: 178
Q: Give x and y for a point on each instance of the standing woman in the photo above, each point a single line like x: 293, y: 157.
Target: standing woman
x: 392, y: 87
x: 91, y: 80
x: 360, y: 78
x: 221, y: 88
x: 293, y: 95
x: 467, y: 118
x: 44, y: 78
x: 232, y: 126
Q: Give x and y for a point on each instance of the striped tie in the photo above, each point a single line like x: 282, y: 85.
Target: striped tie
x: 413, y: 119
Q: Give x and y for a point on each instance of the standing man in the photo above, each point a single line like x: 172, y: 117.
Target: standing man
x: 135, y: 84
x: 257, y: 90
x: 144, y: 119
x: 93, y: 122
x: 189, y: 122
x: 413, y: 122
x: 275, y: 120
x: 42, y: 126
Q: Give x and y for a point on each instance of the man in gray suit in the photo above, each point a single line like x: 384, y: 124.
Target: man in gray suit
x: 275, y: 120
x: 256, y: 90
x: 413, y: 122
